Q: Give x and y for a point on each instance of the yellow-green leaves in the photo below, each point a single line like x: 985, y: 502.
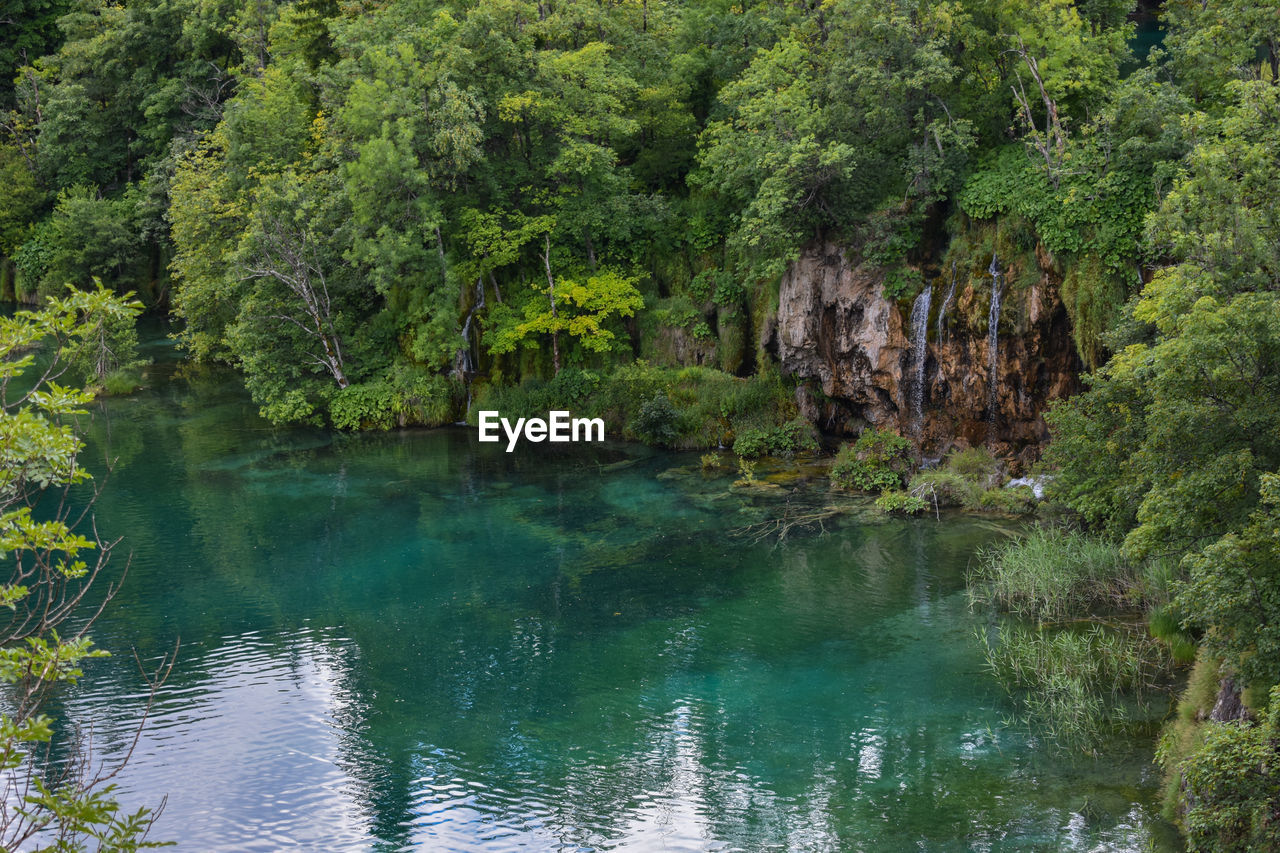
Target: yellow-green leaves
x: 583, y: 308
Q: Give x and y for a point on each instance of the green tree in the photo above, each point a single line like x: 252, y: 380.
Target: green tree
x: 51, y: 565
x: 1177, y: 438
x: 1232, y: 787
x: 580, y: 307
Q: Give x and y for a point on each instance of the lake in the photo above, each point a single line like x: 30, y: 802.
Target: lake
x: 411, y: 639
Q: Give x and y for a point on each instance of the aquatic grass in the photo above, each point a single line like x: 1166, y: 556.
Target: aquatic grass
x: 1078, y: 656
x: 1076, y: 686
x: 1055, y: 575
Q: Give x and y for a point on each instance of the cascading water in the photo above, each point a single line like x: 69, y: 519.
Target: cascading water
x: 919, y: 353
x: 946, y: 300
x: 993, y: 340
x: 464, y: 363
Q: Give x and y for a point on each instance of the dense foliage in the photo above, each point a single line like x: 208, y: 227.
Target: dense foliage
x: 379, y: 211
x: 337, y: 196
x: 1176, y: 446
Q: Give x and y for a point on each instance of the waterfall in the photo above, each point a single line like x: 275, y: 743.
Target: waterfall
x: 946, y: 300
x: 919, y: 353
x: 464, y: 363
x: 993, y: 340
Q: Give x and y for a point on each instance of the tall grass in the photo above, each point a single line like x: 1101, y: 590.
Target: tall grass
x: 1054, y: 575
x: 1078, y: 658
x: 1076, y: 686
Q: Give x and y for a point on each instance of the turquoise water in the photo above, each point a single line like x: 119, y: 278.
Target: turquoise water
x: 411, y: 639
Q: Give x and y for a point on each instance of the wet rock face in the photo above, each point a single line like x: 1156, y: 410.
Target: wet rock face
x: 835, y: 327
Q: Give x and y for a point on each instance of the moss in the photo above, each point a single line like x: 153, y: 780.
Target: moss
x: 733, y: 346
x: 1184, y: 733
x: 1093, y: 298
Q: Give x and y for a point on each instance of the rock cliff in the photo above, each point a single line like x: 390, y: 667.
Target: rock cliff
x: 836, y: 328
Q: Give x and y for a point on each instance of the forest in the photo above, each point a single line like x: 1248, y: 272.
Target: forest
x: 382, y: 212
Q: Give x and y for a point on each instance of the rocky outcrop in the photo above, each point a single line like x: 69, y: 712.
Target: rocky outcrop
x: 836, y: 328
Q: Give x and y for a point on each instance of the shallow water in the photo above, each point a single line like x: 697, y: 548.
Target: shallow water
x: 411, y: 639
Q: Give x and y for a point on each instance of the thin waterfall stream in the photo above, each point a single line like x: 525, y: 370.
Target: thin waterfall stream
x: 464, y: 363
x: 919, y: 354
x: 993, y: 340
x: 947, y: 300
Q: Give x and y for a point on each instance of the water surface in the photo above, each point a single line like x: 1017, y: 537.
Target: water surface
x: 411, y: 639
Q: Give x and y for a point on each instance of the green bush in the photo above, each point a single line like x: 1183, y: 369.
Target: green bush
x: 1019, y: 500
x: 109, y: 344
x: 362, y: 406
x: 403, y: 397
x: 572, y: 385
x: 118, y: 383
x: 795, y: 436
x: 971, y: 478
x: 751, y: 442
x: 876, y: 462
x: 656, y: 421
x: 1231, y: 784
x: 944, y: 486
x: 703, y: 407
x: 902, y: 502
x: 975, y: 464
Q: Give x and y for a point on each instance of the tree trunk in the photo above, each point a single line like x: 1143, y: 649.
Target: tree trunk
x: 1228, y: 708
x: 551, y: 295
x: 591, y: 249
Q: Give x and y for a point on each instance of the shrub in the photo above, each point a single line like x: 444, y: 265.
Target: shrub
x: 1232, y: 784
x: 902, y: 502
x: 700, y: 407
x: 571, y: 385
x: 945, y: 486
x: 793, y: 437
x: 363, y: 406
x: 656, y: 422
x: 975, y: 464
x: 109, y: 343
x: 118, y: 383
x: 1019, y: 500
x: 751, y: 442
x: 401, y: 398
x: 875, y: 463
